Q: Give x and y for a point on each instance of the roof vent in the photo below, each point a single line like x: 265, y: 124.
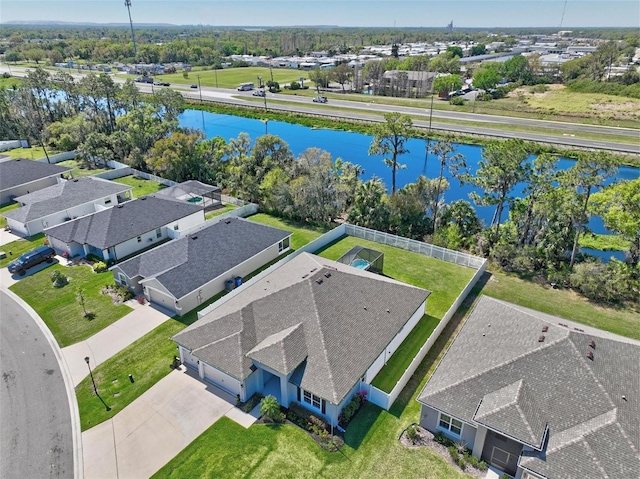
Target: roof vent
x: 76, y: 180
x: 592, y: 344
x: 194, y: 237
x: 319, y: 280
x: 590, y: 355
x: 563, y: 325
x: 541, y: 338
x: 120, y: 206
x: 545, y: 329
x: 327, y: 275
x: 388, y: 311
x: 226, y: 222
x: 578, y: 329
x: 305, y: 276
x: 314, y: 269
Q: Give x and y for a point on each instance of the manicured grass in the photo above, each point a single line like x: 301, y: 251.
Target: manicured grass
x: 147, y: 359
x: 604, y: 242
x: 563, y: 303
x: 389, y: 375
x: 82, y: 168
x: 140, y: 185
x: 302, y: 233
x: 232, y: 77
x: 18, y: 247
x: 220, y: 211
x: 33, y: 153
x: 444, y: 280
x: 3, y: 209
x: 59, y: 307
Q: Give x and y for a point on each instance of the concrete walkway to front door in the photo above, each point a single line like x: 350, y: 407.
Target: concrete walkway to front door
x: 112, y: 339
x: 154, y: 428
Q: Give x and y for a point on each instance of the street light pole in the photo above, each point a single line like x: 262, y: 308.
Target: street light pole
x: 95, y: 389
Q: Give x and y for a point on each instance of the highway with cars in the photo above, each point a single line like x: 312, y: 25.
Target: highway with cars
x: 560, y: 133
x: 35, y: 418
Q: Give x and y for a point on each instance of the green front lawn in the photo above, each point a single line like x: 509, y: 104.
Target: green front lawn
x: 302, y: 232
x: 60, y: 308
x: 140, y: 186
x: 3, y: 209
x: 18, y: 247
x: 82, y: 168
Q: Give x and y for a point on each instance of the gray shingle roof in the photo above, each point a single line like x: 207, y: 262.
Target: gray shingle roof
x: 113, y: 226
x: 497, y: 358
x: 347, y: 318
x: 62, y: 196
x: 187, y: 263
x: 19, y: 172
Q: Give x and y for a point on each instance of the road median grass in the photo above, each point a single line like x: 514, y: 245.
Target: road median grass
x: 60, y: 309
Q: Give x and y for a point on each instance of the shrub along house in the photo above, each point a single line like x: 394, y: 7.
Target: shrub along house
x: 67, y: 200
x: 537, y: 398
x: 187, y: 271
x: 313, y: 331
x: 127, y: 228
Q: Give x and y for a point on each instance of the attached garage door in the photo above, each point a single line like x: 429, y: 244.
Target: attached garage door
x: 189, y: 359
x: 160, y: 299
x: 222, y: 380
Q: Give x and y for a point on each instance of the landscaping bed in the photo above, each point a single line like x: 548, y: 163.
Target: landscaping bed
x: 455, y: 453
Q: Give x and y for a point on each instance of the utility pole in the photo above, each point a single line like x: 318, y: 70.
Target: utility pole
x: 127, y: 4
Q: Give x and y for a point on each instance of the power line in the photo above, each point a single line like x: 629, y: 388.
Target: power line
x: 564, y: 8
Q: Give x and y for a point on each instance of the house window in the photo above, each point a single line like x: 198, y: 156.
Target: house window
x: 107, y: 202
x: 312, y: 399
x: 175, y: 227
x: 450, y: 424
x: 122, y: 279
x: 158, y: 232
x: 283, y: 245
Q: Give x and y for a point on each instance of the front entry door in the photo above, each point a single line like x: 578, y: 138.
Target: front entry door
x: 499, y: 458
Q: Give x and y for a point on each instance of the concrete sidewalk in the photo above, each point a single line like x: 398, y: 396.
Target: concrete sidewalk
x: 111, y: 340
x: 153, y: 429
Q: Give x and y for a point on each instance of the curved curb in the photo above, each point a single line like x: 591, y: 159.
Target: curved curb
x: 76, y: 434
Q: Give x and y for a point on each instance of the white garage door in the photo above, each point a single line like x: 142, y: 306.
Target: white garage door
x: 189, y: 359
x: 160, y: 299
x: 222, y: 380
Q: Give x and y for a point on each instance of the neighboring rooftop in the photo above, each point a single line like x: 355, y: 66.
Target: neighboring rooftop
x: 64, y: 195
x: 325, y: 321
x: 19, y: 172
x: 189, y: 262
x: 125, y: 221
x: 519, y: 371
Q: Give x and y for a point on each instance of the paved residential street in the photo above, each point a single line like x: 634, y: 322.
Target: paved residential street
x: 35, y: 419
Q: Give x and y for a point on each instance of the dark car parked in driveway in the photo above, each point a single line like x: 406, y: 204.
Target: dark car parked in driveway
x: 32, y: 258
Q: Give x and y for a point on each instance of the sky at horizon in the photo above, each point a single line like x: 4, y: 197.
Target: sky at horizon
x: 563, y: 14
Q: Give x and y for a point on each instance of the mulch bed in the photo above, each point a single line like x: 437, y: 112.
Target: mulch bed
x: 425, y: 439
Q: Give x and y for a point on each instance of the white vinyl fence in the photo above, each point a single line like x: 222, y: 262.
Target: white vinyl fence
x: 53, y: 159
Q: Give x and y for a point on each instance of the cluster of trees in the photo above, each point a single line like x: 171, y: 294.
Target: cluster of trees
x: 539, y: 237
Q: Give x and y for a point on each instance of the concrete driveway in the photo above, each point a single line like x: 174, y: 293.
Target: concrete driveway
x: 112, y: 339
x: 153, y: 429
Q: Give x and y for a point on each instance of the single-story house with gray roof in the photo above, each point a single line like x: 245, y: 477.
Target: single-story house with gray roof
x: 64, y: 201
x: 313, y: 331
x: 538, y: 397
x: 21, y: 177
x: 183, y: 273
x: 125, y: 229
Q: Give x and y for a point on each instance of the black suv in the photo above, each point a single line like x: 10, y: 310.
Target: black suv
x: 32, y: 258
